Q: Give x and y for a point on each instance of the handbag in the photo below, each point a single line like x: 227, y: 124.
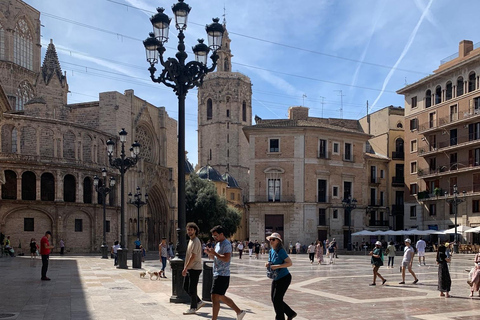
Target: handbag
x: 271, y: 274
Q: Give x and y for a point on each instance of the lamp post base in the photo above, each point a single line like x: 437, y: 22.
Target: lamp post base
x: 178, y: 294
x: 104, y: 250
x: 122, y: 258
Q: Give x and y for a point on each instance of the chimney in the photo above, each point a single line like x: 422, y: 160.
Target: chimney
x: 464, y: 48
x: 298, y: 113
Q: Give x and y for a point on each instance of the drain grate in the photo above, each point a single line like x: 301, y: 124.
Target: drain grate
x: 120, y: 288
x: 7, y: 315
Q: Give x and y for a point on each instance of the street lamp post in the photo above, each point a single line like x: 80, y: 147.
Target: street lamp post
x: 455, y: 201
x: 180, y: 76
x: 137, y: 202
x: 122, y: 164
x: 103, y: 190
x: 349, y: 204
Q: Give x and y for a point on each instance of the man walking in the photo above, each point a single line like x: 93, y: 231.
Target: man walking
x: 193, y: 268
x: 221, y: 273
x: 421, y: 245
x: 250, y: 248
x: 45, y: 253
x: 407, y: 261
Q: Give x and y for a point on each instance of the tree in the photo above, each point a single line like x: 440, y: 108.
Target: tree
x: 207, y: 209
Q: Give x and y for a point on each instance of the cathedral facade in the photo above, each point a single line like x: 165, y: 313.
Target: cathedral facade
x: 52, y: 150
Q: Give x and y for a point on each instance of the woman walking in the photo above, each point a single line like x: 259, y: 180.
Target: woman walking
x: 377, y: 262
x: 278, y: 262
x: 444, y: 281
x: 390, y: 252
x: 319, y: 251
x: 33, y: 249
x: 163, y: 248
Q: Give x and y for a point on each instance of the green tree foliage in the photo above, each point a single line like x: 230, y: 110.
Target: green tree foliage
x: 207, y: 209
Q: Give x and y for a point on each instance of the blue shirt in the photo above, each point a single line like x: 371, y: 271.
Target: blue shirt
x: 279, y: 257
x: 221, y: 268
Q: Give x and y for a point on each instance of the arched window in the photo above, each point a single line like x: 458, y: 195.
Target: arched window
x: 209, y: 109
x: 24, y: 94
x: 9, y: 189
x: 9, y: 139
x: 399, y: 145
x: 448, y: 91
x: 428, y: 99
x: 99, y: 194
x: 87, y: 190
x: 69, y: 188
x: 69, y: 145
x: 471, y: 81
x: 47, y: 187
x: 29, y: 186
x: 399, y: 125
x: 23, y: 45
x: 438, y: 94
x: 459, y: 86
x: 225, y: 65
x: 244, y: 111
x: 2, y: 43
x: 14, y: 140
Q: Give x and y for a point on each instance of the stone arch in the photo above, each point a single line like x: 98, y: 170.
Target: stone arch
x: 29, y: 185
x: 157, y: 224
x: 102, y: 152
x: 80, y: 240
x: 47, y: 139
x: 9, y: 144
x: 47, y: 187
x: 87, y: 148
x: 69, y: 188
x: 23, y: 42
x: 14, y: 222
x: 28, y: 141
x: 9, y: 189
x: 24, y: 94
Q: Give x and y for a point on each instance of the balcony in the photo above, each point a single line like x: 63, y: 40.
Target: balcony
x: 264, y: 198
x: 398, y: 155
x: 440, y: 124
x: 398, y: 181
x: 449, y: 169
x: 374, y: 180
x: 378, y: 223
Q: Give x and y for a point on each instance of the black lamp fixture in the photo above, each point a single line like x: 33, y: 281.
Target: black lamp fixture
x: 349, y: 204
x: 137, y: 201
x: 123, y: 163
x: 455, y: 201
x: 180, y: 76
x: 103, y: 190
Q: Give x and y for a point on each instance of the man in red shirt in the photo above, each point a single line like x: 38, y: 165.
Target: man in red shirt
x: 45, y: 252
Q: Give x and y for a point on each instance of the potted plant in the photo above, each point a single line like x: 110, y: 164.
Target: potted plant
x: 437, y: 192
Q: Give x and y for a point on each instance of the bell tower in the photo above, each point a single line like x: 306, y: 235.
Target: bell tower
x: 224, y: 108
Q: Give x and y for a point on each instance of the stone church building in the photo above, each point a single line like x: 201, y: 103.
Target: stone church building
x: 50, y: 150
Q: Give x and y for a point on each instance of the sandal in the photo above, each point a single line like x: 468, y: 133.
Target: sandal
x: 383, y: 282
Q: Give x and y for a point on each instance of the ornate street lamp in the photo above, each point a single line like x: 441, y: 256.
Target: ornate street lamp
x: 137, y: 202
x: 181, y: 77
x: 103, y: 190
x: 123, y: 164
x: 455, y: 201
x: 349, y: 204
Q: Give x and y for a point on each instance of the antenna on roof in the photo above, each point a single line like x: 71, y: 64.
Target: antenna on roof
x: 303, y: 97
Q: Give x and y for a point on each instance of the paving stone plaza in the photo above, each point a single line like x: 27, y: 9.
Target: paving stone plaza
x: 87, y: 287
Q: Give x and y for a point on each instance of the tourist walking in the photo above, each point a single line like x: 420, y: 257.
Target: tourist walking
x: 331, y: 250
x: 62, y: 247
x: 250, y: 248
x: 240, y: 249
x: 319, y: 252
x: 163, y: 251
x: 115, y: 248
x: 475, y: 280
x: 45, y: 248
x: 408, y: 254
x: 444, y: 280
x: 421, y: 245
x: 390, y: 252
x: 221, y: 273
x: 377, y: 262
x: 192, y: 268
x: 278, y: 262
x: 311, y: 252
x: 33, y: 249
x: 257, y: 249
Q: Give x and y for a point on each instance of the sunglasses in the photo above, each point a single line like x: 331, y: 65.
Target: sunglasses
x: 273, y: 239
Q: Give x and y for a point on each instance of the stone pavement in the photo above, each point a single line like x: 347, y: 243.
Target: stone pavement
x: 87, y: 287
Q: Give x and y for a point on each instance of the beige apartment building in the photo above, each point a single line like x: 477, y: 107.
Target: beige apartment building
x: 385, y: 163
x: 301, y: 168
x: 442, y: 137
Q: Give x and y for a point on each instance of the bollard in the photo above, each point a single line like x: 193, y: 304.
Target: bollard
x: 137, y: 259
x: 207, y: 280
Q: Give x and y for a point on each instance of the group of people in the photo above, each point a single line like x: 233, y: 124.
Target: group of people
x: 254, y: 247
x: 221, y: 253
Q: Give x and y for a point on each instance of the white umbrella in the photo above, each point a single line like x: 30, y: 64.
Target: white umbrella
x: 416, y: 232
x: 393, y: 232
x: 476, y: 230
x: 363, y: 233
x: 460, y: 229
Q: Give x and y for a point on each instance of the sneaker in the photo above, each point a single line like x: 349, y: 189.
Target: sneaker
x: 46, y: 279
x: 241, y: 315
x: 200, y: 304
x: 190, y: 311
x: 415, y: 282
x: 372, y: 284
x: 293, y: 316
x: 403, y: 282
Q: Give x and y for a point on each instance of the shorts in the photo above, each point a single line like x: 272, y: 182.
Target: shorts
x: 421, y: 253
x: 220, y: 285
x: 405, y: 263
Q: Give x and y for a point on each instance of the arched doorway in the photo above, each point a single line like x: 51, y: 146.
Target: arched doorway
x: 157, y: 221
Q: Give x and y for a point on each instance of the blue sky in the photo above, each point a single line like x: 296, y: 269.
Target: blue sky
x: 328, y: 55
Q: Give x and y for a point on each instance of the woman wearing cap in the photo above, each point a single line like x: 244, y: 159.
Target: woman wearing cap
x: 377, y: 262
x: 444, y: 281
x: 278, y: 262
